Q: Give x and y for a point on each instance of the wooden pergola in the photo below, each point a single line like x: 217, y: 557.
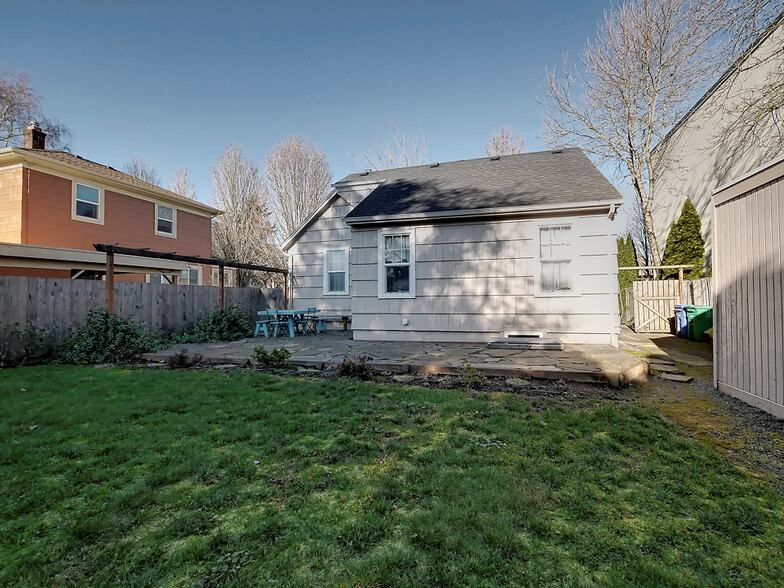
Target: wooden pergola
x: 110, y: 249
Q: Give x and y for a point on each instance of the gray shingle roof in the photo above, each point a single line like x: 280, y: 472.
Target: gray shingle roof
x: 530, y: 179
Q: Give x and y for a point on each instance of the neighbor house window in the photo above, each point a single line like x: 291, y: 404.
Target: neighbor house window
x: 396, y: 265
x: 87, y: 202
x: 191, y: 276
x: 164, y: 220
x: 159, y: 279
x: 555, y: 259
x: 228, y: 277
x: 336, y: 271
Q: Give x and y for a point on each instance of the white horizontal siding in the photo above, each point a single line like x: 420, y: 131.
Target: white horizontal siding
x: 476, y: 280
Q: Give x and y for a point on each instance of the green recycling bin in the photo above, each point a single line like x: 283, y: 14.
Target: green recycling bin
x: 700, y: 319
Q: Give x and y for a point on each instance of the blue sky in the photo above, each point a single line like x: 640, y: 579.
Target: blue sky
x: 176, y: 82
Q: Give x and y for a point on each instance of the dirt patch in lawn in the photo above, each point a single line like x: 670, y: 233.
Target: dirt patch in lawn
x: 750, y: 437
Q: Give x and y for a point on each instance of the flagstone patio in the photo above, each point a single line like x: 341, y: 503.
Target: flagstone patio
x: 581, y: 363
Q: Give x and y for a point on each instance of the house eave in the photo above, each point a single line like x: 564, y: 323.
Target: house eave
x: 294, y: 237
x: 12, y: 155
x: 484, y: 213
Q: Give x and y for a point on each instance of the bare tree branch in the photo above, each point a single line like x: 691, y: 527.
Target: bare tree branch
x: 19, y: 106
x: 298, y: 178
x: 398, y: 151
x: 243, y: 232
x: 650, y: 60
x: 141, y: 169
x: 505, y: 142
x: 181, y: 184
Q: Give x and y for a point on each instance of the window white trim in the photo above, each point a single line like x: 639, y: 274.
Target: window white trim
x: 345, y: 269
x: 75, y: 200
x: 228, y: 277
x: 158, y: 218
x: 411, y: 264
x: 185, y: 275
x: 561, y: 254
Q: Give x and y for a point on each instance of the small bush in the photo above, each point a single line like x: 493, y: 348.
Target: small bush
x: 470, y: 377
x: 228, y: 324
x: 358, y: 367
x: 182, y: 360
x: 18, y: 345
x: 278, y: 358
x: 106, y: 337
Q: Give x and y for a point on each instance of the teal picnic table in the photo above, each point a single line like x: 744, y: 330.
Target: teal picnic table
x: 274, y: 322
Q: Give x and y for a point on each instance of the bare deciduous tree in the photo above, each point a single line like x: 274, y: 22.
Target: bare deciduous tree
x: 398, y: 151
x: 753, y: 115
x: 181, y: 184
x: 649, y: 61
x: 19, y: 106
x: 243, y: 232
x: 505, y: 142
x: 141, y: 169
x: 298, y: 178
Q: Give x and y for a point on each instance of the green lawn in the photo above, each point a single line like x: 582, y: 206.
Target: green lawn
x: 133, y: 477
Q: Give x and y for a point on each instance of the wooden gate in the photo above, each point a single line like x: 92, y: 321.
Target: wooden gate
x: 654, y: 302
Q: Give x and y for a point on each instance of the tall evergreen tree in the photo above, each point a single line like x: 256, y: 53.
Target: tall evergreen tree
x: 685, y: 245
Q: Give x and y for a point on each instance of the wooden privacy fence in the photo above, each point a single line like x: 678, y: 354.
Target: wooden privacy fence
x: 57, y: 305
x: 653, y: 301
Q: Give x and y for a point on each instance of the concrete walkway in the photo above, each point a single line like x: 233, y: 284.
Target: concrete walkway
x: 580, y: 363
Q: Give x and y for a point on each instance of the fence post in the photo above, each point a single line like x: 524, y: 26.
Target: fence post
x: 110, y: 282
x: 680, y: 285
x: 220, y: 287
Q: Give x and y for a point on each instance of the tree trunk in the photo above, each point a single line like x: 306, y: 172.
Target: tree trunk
x: 652, y: 242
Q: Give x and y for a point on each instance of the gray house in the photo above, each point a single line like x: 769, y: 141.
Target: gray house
x: 465, y: 251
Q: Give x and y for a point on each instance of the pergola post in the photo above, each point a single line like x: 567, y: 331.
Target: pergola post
x: 110, y: 282
x: 220, y: 286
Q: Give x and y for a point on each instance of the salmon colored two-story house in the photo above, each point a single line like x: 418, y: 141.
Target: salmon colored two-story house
x: 53, y: 199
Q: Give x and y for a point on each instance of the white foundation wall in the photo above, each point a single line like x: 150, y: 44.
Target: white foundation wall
x: 476, y: 280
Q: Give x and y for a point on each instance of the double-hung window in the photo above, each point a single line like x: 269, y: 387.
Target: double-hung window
x: 396, y: 265
x: 164, y: 220
x: 336, y: 271
x: 555, y: 259
x: 191, y: 276
x: 87, y: 202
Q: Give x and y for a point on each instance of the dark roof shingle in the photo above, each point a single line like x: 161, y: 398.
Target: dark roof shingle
x: 529, y: 179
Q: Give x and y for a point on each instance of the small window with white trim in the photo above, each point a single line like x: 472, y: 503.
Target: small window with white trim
x: 87, y: 202
x: 397, y: 277
x: 191, y: 276
x: 336, y: 271
x: 228, y: 277
x: 165, y: 218
x: 555, y: 259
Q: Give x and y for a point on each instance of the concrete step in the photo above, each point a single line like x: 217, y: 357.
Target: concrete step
x: 527, y: 344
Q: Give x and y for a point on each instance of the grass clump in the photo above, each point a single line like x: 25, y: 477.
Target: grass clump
x: 276, y: 359
x: 228, y: 324
x: 128, y: 477
x: 106, y: 338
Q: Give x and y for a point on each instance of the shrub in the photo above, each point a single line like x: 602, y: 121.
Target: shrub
x: 106, y: 337
x: 228, y: 324
x: 278, y: 358
x: 17, y: 344
x: 182, y: 360
x: 470, y: 377
x: 358, y: 367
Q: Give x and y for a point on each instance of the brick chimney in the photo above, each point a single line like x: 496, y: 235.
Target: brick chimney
x: 34, y: 137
